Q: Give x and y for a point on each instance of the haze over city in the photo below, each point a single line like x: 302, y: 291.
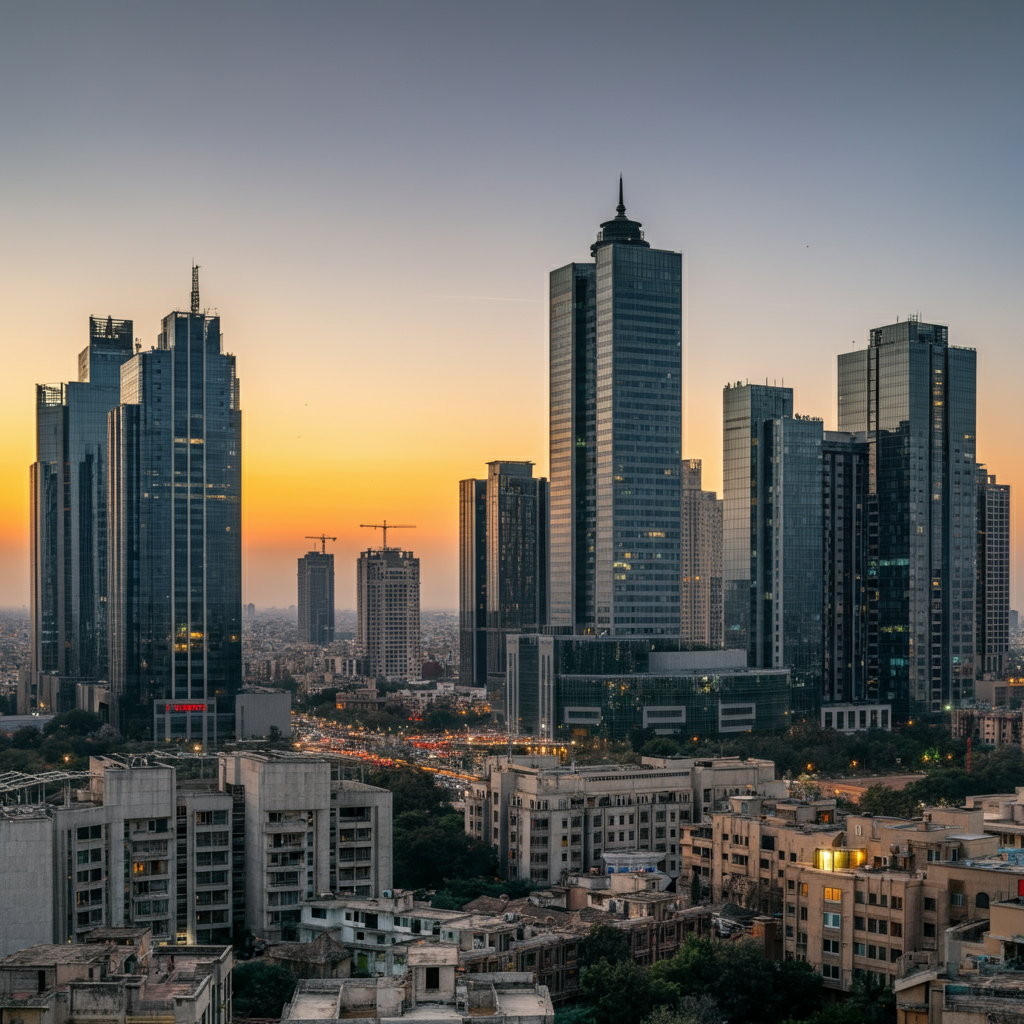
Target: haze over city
x: 376, y: 195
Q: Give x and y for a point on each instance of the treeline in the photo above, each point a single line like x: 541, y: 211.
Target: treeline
x: 711, y: 982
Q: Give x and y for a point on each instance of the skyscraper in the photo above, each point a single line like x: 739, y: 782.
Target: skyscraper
x: 388, y: 612
x: 68, y: 506
x: 845, y: 551
x: 746, y: 408
x: 700, y: 565
x: 503, y: 564
x: 316, y: 598
x: 993, y: 589
x: 473, y: 582
x: 914, y: 395
x: 175, y: 556
x: 616, y: 422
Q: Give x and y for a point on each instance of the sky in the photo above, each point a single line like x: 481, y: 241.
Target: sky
x: 376, y: 194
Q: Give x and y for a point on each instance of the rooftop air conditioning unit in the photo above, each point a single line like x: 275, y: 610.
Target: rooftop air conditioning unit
x: 386, y: 894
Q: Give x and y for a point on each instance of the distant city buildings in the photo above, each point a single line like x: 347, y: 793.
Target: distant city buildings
x: 388, y: 612
x: 503, y: 524
x: 316, y: 598
x: 700, y: 561
x: 615, y: 430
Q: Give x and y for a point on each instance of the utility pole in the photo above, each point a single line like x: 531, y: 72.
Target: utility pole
x: 385, y: 527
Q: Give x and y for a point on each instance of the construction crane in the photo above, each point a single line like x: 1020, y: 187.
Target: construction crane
x: 385, y: 527
x: 323, y: 538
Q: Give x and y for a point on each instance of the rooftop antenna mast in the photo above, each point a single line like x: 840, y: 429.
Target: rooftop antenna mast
x: 385, y: 527
x: 195, y: 288
x: 323, y: 538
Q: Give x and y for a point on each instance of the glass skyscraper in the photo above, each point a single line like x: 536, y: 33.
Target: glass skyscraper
x: 700, y: 566
x: 914, y: 396
x: 68, y: 504
x: 175, y: 538
x: 503, y: 545
x: 616, y: 422
x: 993, y: 590
x: 745, y: 409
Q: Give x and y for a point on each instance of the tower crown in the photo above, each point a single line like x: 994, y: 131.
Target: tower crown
x: 620, y: 229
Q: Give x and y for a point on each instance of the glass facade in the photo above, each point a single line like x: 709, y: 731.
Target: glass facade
x: 745, y: 410
x: 564, y: 686
x: 68, y: 504
x: 316, y: 598
x: 845, y: 550
x: 993, y: 590
x: 914, y: 395
x: 472, y: 583
x: 175, y: 550
x: 700, y: 566
x: 789, y: 582
x: 616, y: 421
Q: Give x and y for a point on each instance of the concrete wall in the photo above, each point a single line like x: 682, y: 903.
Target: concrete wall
x: 256, y: 713
x: 27, y: 882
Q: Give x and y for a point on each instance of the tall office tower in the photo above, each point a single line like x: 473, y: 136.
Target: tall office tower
x: 787, y: 596
x: 616, y: 422
x: 845, y: 551
x: 993, y: 588
x: 316, y: 598
x: 700, y: 561
x: 388, y: 612
x: 914, y: 395
x: 472, y: 582
x: 68, y: 505
x: 175, y: 553
x: 746, y: 408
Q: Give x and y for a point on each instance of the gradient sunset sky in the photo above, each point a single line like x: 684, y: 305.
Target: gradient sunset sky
x: 376, y: 193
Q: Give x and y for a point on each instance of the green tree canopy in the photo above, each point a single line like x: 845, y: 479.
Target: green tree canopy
x: 605, y: 942
x: 621, y: 993
x: 261, y: 989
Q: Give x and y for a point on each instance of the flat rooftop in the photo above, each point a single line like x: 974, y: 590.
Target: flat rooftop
x: 59, y: 953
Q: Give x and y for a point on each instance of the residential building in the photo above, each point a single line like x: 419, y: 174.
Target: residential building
x: 562, y: 686
x: 616, y: 421
x: 993, y: 590
x: 913, y: 394
x: 117, y: 977
x: 316, y: 598
x: 174, y: 545
x: 388, y: 613
x: 68, y: 516
x: 546, y: 820
x: 989, y: 726
x: 701, y: 610
x: 745, y: 410
x: 503, y: 565
x: 193, y: 850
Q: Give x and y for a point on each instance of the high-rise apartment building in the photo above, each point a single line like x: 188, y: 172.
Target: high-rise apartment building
x: 914, y: 396
x: 174, y: 546
x: 316, y: 598
x: 746, y: 408
x: 388, y: 612
x: 68, y: 508
x: 700, y: 561
x: 993, y: 589
x: 503, y: 564
x: 473, y: 582
x: 616, y: 422
x: 845, y: 551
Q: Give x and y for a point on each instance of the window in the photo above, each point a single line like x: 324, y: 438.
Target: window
x: 803, y: 913
x: 803, y: 888
x: 873, y: 899
x: 858, y: 896
x: 831, y: 920
x: 957, y: 899
x: 929, y: 903
x: 833, y: 895
x: 928, y: 931
x: 897, y: 903
x: 830, y: 971
x: 830, y: 946
x: 872, y: 924
x: 859, y: 949
x: 896, y: 929
x: 858, y: 924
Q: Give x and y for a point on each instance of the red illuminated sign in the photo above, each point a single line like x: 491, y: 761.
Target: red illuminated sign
x: 188, y: 707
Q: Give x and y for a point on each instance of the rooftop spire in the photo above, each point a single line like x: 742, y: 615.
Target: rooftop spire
x: 619, y: 229
x: 621, y: 208
x: 195, y: 288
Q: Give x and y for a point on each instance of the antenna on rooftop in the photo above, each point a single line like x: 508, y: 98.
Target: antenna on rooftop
x: 195, y: 287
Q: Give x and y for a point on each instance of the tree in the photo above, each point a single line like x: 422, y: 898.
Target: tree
x: 875, y: 1001
x: 621, y: 993
x: 605, y: 942
x: 27, y: 737
x: 691, y: 1010
x: 574, y: 1013
x: 73, y: 723
x: 885, y: 800
x: 261, y: 989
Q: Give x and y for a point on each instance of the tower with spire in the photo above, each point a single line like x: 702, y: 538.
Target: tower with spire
x: 616, y: 435
x: 174, y: 546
